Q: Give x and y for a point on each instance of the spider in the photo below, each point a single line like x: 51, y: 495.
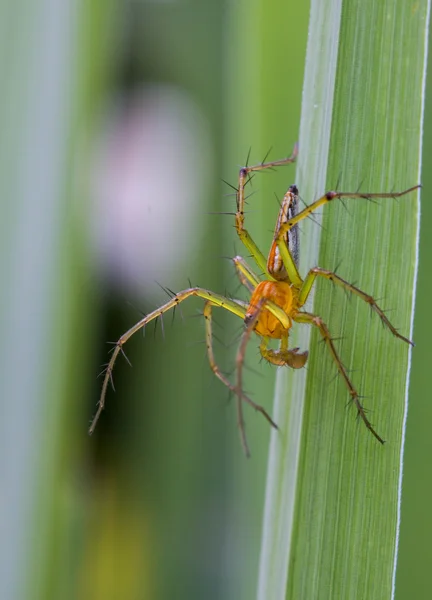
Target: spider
x: 276, y: 302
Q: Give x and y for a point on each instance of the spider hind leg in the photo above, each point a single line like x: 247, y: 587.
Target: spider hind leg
x: 303, y: 317
x: 350, y: 288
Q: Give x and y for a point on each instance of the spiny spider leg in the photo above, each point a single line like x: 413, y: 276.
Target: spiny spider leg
x: 216, y: 299
x: 318, y: 272
x: 238, y: 391
x: 243, y: 234
x: 303, y: 317
x: 329, y: 196
x: 241, y: 353
x: 283, y: 257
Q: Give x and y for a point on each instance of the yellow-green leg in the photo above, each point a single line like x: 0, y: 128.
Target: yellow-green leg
x: 243, y: 234
x: 215, y: 299
x: 284, y: 252
x: 245, y: 274
x: 303, y: 317
x: 318, y: 272
x: 289, y: 264
x: 329, y: 196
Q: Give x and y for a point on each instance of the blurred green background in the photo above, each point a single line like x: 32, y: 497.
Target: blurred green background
x: 119, y: 121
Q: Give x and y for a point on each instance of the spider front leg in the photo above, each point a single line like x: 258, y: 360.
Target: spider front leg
x: 303, y: 317
x: 240, y: 198
x: 251, y: 320
x: 237, y: 390
x: 245, y: 274
x: 328, y: 197
x: 330, y: 276
x: 216, y: 299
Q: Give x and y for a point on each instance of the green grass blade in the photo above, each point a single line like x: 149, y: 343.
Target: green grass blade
x: 288, y: 413
x: 331, y: 516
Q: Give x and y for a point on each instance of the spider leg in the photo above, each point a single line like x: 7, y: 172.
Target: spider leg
x: 235, y: 389
x: 245, y: 274
x: 241, y: 353
x: 329, y: 196
x: 284, y: 252
x: 283, y: 357
x: 243, y: 234
x: 216, y: 299
x: 318, y: 272
x: 303, y: 317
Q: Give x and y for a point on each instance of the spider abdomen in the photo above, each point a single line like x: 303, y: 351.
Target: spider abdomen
x: 278, y: 292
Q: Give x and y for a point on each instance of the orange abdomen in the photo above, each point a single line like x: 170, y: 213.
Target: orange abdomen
x: 278, y: 292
